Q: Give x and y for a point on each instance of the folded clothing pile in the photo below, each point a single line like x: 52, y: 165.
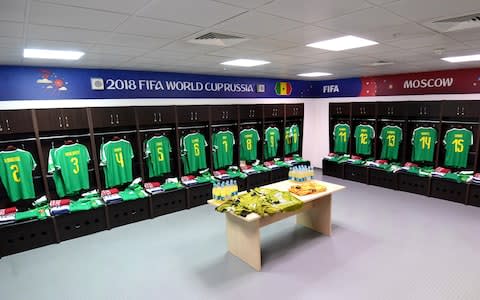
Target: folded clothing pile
x: 262, y: 202
x: 339, y: 159
x: 156, y: 187
x: 205, y: 177
x: 89, y: 201
x: 221, y: 174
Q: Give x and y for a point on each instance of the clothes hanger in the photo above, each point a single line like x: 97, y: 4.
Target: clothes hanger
x: 115, y: 138
x: 68, y: 142
x: 11, y: 148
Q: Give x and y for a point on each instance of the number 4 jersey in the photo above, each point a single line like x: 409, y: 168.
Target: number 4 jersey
x: 457, y: 145
x: 69, y: 165
x: 116, y: 158
x: 423, y: 141
x: 16, y: 174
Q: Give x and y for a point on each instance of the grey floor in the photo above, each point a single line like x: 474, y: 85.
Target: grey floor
x: 385, y: 245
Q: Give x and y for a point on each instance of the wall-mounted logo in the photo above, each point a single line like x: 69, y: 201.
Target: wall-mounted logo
x: 283, y: 88
x: 97, y: 84
x: 260, y: 88
x: 51, y: 81
x: 332, y: 88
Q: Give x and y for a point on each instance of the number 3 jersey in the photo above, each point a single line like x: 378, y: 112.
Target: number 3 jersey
x: 457, y: 145
x: 391, y: 137
x: 363, y: 139
x: 69, y: 166
x: 423, y: 141
x: 157, y: 152
x: 16, y: 174
x: 116, y: 159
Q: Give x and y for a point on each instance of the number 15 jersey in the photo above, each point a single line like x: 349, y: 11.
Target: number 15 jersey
x: 116, y: 158
x: 457, y: 145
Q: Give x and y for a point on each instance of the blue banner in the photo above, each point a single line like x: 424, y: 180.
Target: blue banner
x: 350, y: 87
x: 35, y: 83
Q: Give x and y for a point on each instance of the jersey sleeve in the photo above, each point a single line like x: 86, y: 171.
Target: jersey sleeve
x: 148, y: 151
x: 87, y: 154
x: 233, y: 138
x: 372, y: 131
x: 51, y: 163
x: 400, y: 134
x: 471, y: 138
x: 169, y: 146
x: 357, y: 130
x: 103, y: 157
x: 382, y: 133
x: 33, y: 163
x: 205, y: 140
x: 258, y: 136
x: 130, y: 148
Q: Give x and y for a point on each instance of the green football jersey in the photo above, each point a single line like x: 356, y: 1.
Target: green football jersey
x: 193, y: 145
x: 295, y: 136
x: 16, y: 174
x: 288, y: 141
x: 423, y: 141
x: 157, y: 152
x: 116, y: 159
x: 272, y: 137
x: 457, y: 145
x: 364, y: 135
x: 391, y: 137
x: 248, y: 144
x: 70, y: 163
x: 341, y: 136
x: 223, y: 142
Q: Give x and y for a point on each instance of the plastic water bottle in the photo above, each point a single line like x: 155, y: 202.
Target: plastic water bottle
x: 215, y: 191
x: 290, y: 173
x: 235, y: 191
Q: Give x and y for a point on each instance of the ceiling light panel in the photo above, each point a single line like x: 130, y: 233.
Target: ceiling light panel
x: 343, y: 43
x: 314, y: 74
x: 245, y: 63
x: 52, y: 54
x: 460, y: 59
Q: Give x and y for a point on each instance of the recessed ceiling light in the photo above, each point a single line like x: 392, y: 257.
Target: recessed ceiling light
x: 245, y: 62
x: 314, y: 74
x: 465, y: 58
x: 379, y: 63
x: 343, y: 43
x: 52, y: 54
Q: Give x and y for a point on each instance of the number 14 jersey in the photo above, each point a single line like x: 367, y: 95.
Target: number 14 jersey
x: 423, y: 141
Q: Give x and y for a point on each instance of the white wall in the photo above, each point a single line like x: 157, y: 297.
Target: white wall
x: 316, y: 131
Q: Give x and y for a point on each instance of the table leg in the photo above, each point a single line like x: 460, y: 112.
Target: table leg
x: 244, y: 240
x: 319, y: 217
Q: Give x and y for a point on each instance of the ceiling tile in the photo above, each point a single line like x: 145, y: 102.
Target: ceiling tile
x: 127, y: 7
x: 198, y: 12
x: 265, y: 44
x: 372, y: 50
x: 168, y: 54
x: 363, y: 21
x: 246, y: 3
x: 59, y: 15
x: 42, y: 32
x: 109, y: 49
x: 12, y: 10
x: 422, y: 11
x: 182, y: 46
x: 11, y: 29
x: 11, y: 42
x: 381, y: 2
x: 396, y: 32
x: 306, y: 35
x: 134, y: 41
x: 236, y: 52
x: 94, y: 58
x: 286, y: 59
x: 309, y: 11
x: 257, y: 24
x: 301, y: 51
x: 465, y: 35
x: 156, y: 28
x: 434, y: 40
x: 58, y: 45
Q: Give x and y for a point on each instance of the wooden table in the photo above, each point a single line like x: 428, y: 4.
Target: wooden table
x: 243, y: 233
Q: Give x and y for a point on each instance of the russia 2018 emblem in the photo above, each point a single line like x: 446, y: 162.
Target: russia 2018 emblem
x: 52, y: 82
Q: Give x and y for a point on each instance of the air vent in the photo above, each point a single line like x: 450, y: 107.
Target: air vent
x: 456, y: 23
x: 217, y: 39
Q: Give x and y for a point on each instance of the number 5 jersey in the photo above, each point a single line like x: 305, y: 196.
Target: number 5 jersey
x: 116, y: 159
x: 16, y: 174
x: 69, y: 166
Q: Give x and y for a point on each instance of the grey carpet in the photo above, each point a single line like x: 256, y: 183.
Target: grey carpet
x: 385, y: 245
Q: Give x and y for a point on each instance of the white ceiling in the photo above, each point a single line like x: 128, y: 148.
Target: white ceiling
x: 152, y: 34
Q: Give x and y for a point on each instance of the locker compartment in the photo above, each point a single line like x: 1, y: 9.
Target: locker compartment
x: 448, y: 190
x: 128, y: 212
x: 273, y: 111
x: 333, y: 169
x: 340, y: 110
x: 192, y: 113
x: 257, y: 180
x: 382, y: 178
x: 474, y: 195
x: 250, y: 112
x: 413, y: 183
x: 105, y: 117
x: 155, y: 115
x: 222, y: 113
x: 62, y: 119
x: 294, y: 110
x: 199, y: 194
x: 81, y: 223
x: 364, y: 109
x: 424, y: 110
x: 16, y: 121
x: 279, y: 174
x: 356, y: 173
x: 169, y: 202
